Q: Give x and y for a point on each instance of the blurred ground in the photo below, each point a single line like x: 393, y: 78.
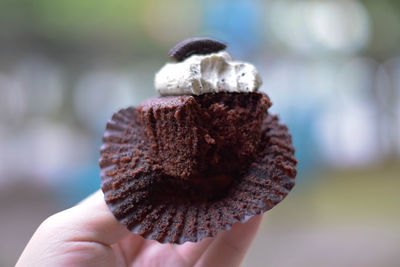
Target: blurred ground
x: 345, y: 218
x: 348, y: 218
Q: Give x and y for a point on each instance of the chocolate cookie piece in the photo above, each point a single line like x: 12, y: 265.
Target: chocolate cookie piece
x: 170, y: 209
x: 198, y: 46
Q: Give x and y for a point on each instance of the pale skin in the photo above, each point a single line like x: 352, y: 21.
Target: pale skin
x: 89, y: 235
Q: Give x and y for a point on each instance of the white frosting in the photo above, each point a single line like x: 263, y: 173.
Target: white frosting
x: 211, y: 73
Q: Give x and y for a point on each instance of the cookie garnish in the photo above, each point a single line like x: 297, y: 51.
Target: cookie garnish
x: 199, y: 46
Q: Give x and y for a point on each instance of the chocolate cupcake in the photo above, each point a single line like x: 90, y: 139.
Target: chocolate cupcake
x: 202, y: 156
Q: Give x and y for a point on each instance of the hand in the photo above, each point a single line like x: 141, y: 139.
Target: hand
x: 89, y: 235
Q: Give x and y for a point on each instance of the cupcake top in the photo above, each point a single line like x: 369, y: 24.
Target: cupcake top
x: 182, y: 168
x: 213, y: 72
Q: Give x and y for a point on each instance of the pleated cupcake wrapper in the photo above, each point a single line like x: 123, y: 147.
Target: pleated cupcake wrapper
x: 129, y: 176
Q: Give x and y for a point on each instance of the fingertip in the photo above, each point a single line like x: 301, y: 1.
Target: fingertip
x: 230, y: 247
x: 191, y: 252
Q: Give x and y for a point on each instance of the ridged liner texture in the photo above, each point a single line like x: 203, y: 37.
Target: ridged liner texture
x: 133, y: 183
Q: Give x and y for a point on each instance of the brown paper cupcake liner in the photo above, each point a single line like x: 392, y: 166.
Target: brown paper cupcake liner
x: 172, y: 210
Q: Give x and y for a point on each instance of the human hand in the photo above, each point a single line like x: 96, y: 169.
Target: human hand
x: 89, y: 235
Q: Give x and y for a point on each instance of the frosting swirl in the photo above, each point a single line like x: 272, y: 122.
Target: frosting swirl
x: 211, y: 73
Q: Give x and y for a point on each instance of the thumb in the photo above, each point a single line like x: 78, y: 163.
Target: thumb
x: 89, y: 221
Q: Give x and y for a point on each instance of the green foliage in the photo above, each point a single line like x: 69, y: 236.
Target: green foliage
x: 72, y: 17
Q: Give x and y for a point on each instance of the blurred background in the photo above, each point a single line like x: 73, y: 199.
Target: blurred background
x: 331, y: 68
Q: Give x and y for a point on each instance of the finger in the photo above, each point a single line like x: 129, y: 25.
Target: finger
x: 131, y: 246
x: 230, y: 247
x: 154, y: 253
x: 191, y: 252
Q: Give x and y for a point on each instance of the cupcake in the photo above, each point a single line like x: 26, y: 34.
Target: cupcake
x: 204, y: 155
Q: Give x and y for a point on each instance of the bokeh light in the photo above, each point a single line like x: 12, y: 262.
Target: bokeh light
x: 320, y: 26
x: 98, y: 94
